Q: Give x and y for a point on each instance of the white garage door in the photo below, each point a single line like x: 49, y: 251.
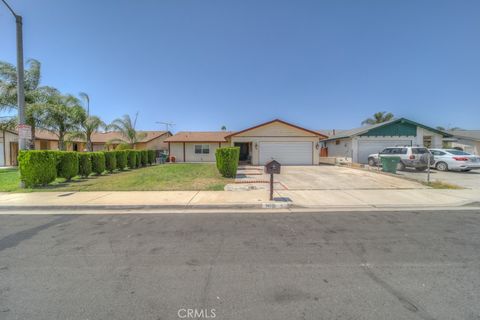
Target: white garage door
x: 286, y: 152
x: 365, y: 148
x: 2, y: 155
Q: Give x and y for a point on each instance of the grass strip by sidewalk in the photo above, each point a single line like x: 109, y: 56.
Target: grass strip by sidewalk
x: 196, y: 176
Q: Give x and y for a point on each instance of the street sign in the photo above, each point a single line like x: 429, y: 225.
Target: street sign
x: 24, y: 131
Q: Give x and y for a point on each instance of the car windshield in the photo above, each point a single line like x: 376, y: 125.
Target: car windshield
x: 459, y: 153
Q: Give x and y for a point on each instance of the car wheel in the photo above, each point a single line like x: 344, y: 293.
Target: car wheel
x: 400, y: 166
x: 421, y: 168
x: 441, y: 166
x: 466, y: 170
x: 371, y: 162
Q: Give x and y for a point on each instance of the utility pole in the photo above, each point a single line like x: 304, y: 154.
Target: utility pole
x: 22, y: 141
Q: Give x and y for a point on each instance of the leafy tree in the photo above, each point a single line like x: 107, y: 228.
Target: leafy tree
x: 126, y: 127
x: 8, y: 123
x: 87, y: 127
x: 34, y: 93
x: 63, y: 114
x: 378, y: 117
x: 224, y: 128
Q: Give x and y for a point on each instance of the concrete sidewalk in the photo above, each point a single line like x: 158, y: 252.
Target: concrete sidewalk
x: 257, y: 199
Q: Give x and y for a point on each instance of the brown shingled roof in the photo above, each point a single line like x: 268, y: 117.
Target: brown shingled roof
x: 97, y: 137
x: 199, y: 136
x: 103, y: 137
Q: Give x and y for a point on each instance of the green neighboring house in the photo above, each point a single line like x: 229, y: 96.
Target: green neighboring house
x: 357, y: 144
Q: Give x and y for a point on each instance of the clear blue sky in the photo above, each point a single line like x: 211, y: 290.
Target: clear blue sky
x: 203, y: 63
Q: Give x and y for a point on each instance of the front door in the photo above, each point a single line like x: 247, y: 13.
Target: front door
x: 244, y: 150
x: 13, y: 154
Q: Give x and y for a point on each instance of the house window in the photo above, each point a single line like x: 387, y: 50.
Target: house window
x: 202, y: 149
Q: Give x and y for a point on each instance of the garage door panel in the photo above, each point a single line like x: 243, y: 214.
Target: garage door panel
x: 366, y: 148
x: 287, y: 153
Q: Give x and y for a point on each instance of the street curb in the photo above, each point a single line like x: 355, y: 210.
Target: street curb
x: 282, y: 205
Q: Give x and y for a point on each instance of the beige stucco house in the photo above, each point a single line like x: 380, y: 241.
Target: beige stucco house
x: 285, y: 142
x: 47, y: 140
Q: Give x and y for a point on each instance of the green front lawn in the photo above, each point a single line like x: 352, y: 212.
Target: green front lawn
x: 177, y: 176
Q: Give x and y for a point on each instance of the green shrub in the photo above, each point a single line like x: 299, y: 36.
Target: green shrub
x: 151, y: 156
x: 37, y: 167
x: 98, y: 162
x: 110, y: 160
x: 227, y: 161
x: 84, y: 164
x: 123, y: 146
x: 121, y: 159
x: 144, y: 157
x: 67, y: 164
x: 138, y: 155
x: 131, y: 159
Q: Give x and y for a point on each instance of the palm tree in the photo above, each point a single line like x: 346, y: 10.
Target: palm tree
x: 126, y: 127
x: 86, y: 100
x: 8, y: 123
x: 378, y: 117
x: 34, y: 93
x: 90, y: 125
x: 62, y: 115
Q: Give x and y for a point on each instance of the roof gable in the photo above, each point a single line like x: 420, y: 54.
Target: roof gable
x: 276, y: 128
x: 402, y: 126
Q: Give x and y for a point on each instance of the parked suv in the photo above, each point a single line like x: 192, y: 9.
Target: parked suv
x: 411, y: 157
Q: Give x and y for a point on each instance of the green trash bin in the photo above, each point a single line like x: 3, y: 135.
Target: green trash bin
x: 389, y: 164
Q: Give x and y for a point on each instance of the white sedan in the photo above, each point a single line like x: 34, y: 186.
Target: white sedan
x: 453, y: 159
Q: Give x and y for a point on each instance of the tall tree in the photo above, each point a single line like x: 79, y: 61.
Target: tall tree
x: 224, y: 128
x: 378, y: 117
x: 90, y: 125
x: 8, y: 123
x: 86, y: 100
x: 34, y: 93
x: 62, y: 115
x: 126, y: 127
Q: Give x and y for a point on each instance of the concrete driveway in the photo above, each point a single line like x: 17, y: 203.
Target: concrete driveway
x: 469, y: 180
x: 328, y: 178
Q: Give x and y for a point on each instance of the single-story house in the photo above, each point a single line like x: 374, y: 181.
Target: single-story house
x: 357, y: 144
x: 467, y: 140
x: 47, y: 140
x: 154, y: 140
x: 287, y: 143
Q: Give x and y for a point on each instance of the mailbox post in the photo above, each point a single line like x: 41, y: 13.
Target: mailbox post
x: 272, y: 167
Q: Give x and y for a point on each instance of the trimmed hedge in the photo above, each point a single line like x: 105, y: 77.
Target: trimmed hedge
x: 131, y: 159
x: 37, y: 167
x: 121, y: 159
x: 151, y: 156
x: 98, y: 162
x: 227, y: 161
x: 144, y: 157
x: 110, y: 160
x: 84, y: 164
x: 67, y: 164
x: 138, y: 155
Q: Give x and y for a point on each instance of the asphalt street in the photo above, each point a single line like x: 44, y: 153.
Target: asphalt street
x: 343, y: 265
